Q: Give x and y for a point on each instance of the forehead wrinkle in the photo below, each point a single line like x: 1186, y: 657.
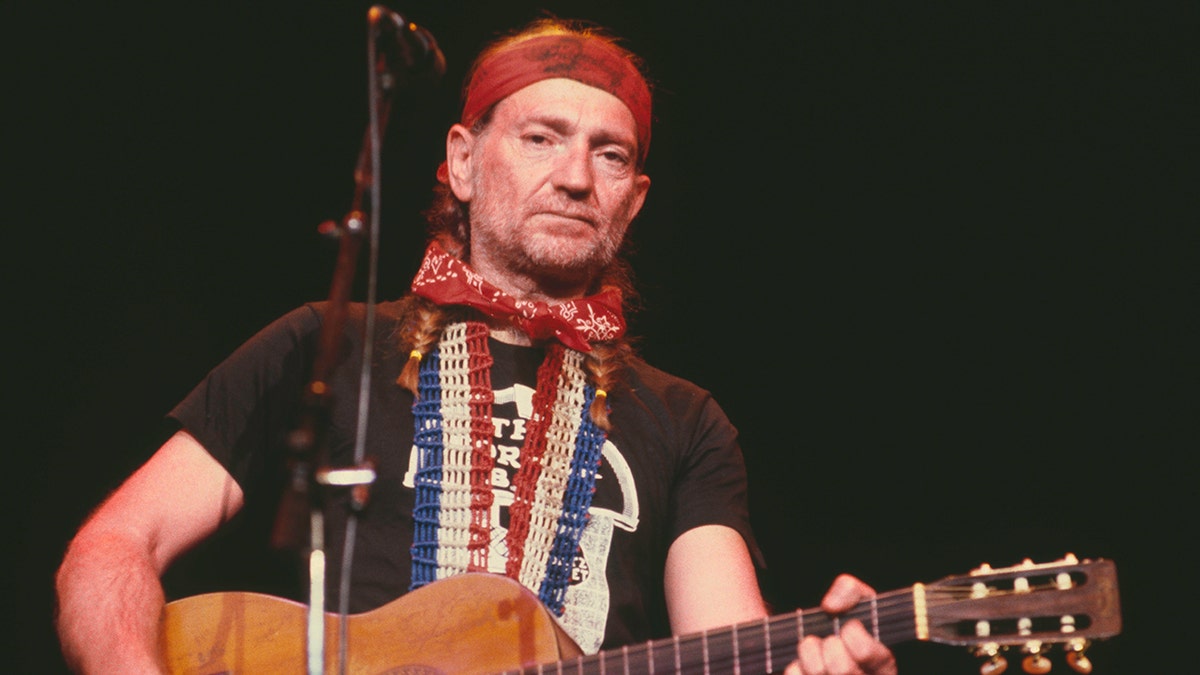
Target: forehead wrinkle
x: 564, y: 107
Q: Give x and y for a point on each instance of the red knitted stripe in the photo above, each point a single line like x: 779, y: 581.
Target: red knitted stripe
x: 532, y: 451
x: 479, y: 376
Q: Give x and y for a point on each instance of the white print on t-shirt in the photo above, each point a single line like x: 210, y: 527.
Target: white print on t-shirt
x: 587, y: 597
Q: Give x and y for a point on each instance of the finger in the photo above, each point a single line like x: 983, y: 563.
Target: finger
x: 837, y: 658
x: 809, y: 656
x: 845, y: 592
x: 870, y: 654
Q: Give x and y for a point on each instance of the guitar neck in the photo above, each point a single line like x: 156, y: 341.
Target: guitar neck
x: 761, y: 646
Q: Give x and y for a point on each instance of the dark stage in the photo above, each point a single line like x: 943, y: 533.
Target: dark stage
x: 936, y: 260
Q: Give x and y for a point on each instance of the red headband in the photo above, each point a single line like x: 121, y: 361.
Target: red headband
x: 592, y: 61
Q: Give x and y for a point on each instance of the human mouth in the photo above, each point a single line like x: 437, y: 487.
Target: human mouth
x: 584, y: 218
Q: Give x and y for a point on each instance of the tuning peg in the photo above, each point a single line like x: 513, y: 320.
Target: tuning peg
x: 1036, y: 663
x: 995, y: 663
x: 1078, y: 661
x: 994, y: 666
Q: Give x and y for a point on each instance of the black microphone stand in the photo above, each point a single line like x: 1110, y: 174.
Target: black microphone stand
x: 308, y: 470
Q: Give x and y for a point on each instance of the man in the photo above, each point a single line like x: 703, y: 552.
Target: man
x: 512, y: 429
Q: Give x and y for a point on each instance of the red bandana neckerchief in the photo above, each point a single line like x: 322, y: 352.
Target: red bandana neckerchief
x: 577, y: 323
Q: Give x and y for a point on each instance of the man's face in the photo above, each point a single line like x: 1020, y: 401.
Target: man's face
x: 552, y: 185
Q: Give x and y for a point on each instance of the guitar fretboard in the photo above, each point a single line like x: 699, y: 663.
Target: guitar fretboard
x: 760, y: 646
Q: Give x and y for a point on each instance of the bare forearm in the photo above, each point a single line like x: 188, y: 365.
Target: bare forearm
x: 110, y: 600
x: 110, y: 596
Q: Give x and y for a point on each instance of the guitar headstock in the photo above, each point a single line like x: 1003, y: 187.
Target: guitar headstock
x: 1029, y: 606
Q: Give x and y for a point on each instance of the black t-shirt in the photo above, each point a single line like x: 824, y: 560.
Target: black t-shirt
x: 671, y: 463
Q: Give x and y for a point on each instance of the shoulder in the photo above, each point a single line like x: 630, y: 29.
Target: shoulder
x: 312, y: 316
x: 301, y: 327
x: 644, y: 379
x: 667, y: 396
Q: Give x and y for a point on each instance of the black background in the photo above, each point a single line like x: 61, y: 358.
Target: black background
x: 936, y: 260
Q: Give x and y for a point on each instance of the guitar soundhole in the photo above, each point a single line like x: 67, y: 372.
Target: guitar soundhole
x: 1010, y: 627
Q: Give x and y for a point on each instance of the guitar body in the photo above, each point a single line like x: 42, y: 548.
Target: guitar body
x: 471, y: 623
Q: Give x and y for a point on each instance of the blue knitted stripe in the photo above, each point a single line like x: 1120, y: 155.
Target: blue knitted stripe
x: 577, y: 499
x: 427, y: 437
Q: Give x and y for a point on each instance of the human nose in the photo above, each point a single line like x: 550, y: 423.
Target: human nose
x: 574, y: 172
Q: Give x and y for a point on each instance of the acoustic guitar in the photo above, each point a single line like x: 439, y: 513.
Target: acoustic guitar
x: 482, y: 623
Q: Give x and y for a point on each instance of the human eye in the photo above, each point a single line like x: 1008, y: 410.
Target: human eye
x: 538, y: 138
x: 615, y: 158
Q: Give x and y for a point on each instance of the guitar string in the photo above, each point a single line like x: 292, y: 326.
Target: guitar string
x: 691, y: 649
x: 896, y: 622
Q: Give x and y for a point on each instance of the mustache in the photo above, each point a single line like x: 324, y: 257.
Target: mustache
x: 576, y: 211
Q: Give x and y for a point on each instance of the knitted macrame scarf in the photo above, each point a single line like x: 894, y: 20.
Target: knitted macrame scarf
x: 454, y: 495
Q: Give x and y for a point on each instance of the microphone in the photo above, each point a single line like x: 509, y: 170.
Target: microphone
x: 415, y: 48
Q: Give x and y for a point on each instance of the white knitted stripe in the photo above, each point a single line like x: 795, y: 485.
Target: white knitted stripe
x: 455, y: 519
x: 561, y: 435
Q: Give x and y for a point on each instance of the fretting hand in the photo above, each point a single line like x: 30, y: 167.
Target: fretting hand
x: 853, y: 651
